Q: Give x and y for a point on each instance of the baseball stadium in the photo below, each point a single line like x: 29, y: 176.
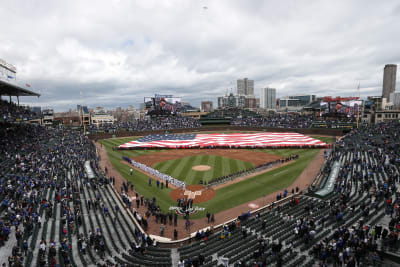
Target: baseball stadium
x: 204, y: 133
x: 170, y: 190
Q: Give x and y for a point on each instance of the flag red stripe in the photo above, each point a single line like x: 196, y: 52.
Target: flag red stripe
x: 238, y: 140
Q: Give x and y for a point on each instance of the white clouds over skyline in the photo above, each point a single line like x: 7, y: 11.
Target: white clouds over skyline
x: 117, y: 52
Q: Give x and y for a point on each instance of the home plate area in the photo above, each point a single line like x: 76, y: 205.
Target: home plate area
x: 191, y: 194
x: 199, y: 193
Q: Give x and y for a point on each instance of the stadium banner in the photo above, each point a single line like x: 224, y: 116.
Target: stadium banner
x: 330, y: 183
x: 234, y: 140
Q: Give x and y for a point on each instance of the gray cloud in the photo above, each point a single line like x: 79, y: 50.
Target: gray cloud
x: 117, y: 52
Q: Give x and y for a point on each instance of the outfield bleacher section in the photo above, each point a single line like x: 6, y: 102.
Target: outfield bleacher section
x: 278, y: 120
x: 149, y: 124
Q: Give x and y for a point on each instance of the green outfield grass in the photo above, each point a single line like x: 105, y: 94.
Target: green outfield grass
x: 227, y: 197
x: 182, y: 168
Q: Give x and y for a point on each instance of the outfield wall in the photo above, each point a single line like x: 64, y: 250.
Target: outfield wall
x: 306, y: 131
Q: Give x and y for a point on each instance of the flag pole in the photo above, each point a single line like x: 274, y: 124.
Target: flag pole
x: 358, y: 107
x: 83, y: 115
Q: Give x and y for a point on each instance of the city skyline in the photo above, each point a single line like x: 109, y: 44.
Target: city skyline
x: 117, y: 58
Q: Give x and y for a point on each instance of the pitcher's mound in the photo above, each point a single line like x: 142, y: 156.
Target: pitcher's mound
x: 201, y: 168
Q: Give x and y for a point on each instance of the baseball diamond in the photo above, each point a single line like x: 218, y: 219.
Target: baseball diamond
x: 179, y: 163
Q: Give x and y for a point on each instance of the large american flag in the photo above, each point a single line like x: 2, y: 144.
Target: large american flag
x: 256, y: 140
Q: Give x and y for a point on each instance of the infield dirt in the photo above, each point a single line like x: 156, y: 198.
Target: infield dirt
x: 201, y: 168
x: 206, y: 193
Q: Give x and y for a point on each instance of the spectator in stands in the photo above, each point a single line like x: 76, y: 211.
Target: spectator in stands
x: 43, y: 169
x: 149, y: 124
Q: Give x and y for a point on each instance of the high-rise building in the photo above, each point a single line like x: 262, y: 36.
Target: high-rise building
x: 268, y: 98
x: 395, y: 99
x: 250, y: 102
x: 389, y: 80
x: 245, y: 87
x: 249, y: 87
x: 206, y: 106
x: 231, y: 101
x: 240, y: 87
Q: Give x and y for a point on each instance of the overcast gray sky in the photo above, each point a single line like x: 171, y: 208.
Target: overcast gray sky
x: 118, y: 51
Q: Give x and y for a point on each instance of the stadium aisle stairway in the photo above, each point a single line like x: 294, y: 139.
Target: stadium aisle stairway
x: 35, y: 244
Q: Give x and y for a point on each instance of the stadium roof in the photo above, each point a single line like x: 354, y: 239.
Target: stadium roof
x: 15, y: 90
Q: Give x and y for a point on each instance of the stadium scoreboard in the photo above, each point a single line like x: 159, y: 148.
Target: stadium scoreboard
x: 162, y: 104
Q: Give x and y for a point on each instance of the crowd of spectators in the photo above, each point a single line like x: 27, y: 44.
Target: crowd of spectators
x: 34, y: 162
x: 231, y: 113
x: 349, y: 226
x: 149, y: 124
x: 275, y: 121
x: 237, y: 117
x: 367, y: 185
x: 11, y: 112
x: 293, y: 121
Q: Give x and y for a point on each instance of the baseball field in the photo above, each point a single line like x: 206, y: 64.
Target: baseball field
x: 193, y: 165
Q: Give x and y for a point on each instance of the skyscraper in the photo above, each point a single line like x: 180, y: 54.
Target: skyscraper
x: 240, y: 87
x: 231, y: 101
x: 268, y: 98
x: 206, y: 106
x: 245, y: 87
x: 389, y: 80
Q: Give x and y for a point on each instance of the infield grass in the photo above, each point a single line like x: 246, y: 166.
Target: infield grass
x: 182, y: 168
